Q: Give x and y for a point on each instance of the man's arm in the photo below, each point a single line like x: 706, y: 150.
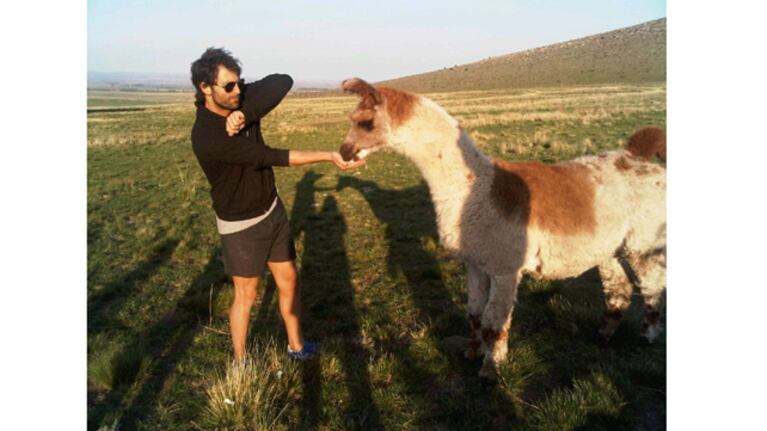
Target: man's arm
x: 262, y: 96
x: 299, y: 158
x: 238, y: 150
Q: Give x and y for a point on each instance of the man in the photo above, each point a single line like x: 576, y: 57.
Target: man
x: 251, y: 219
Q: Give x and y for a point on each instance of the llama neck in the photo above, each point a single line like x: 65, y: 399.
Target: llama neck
x: 448, y: 159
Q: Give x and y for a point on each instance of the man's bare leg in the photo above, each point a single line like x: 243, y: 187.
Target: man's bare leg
x: 239, y: 315
x: 286, y: 276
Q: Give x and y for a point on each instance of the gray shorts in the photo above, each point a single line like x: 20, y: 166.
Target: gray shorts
x: 247, y: 251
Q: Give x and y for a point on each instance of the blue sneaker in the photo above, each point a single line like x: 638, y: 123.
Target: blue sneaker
x: 309, y: 351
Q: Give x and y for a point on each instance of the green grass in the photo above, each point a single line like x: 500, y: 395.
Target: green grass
x: 589, y: 401
x: 384, y: 299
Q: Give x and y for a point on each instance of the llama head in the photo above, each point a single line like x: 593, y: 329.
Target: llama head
x: 379, y: 112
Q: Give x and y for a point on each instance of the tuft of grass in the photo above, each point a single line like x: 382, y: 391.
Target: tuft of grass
x: 254, y: 394
x: 591, y: 402
x: 521, y: 366
x: 114, y: 426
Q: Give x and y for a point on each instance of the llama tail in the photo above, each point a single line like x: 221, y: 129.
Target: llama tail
x: 648, y: 143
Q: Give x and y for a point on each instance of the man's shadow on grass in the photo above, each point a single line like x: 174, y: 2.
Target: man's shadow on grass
x: 329, y: 310
x: 105, y: 302
x: 165, y: 341
x: 408, y: 215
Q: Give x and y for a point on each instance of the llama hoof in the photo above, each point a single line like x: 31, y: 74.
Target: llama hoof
x: 487, y: 384
x: 474, y: 351
x: 602, y: 341
x: 651, y: 332
x: 488, y: 372
x: 606, y: 333
x: 471, y: 354
x: 607, y: 328
x: 603, y: 336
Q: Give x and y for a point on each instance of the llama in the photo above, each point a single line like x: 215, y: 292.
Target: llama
x: 507, y: 219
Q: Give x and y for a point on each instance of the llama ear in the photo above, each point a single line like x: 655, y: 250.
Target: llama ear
x: 368, y: 93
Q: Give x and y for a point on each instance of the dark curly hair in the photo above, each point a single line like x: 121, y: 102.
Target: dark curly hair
x: 205, y: 69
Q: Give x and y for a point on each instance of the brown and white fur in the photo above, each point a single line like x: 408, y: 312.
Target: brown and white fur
x: 506, y: 219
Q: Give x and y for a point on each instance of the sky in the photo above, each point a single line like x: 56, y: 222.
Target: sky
x: 334, y: 40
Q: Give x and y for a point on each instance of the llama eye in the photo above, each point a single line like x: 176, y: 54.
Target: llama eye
x: 367, y: 125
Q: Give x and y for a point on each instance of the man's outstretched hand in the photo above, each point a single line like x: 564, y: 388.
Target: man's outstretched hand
x: 235, y: 122
x: 339, y: 161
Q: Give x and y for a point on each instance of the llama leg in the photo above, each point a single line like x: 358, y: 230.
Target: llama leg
x: 496, y: 320
x: 478, y: 285
x: 650, y: 269
x: 617, y: 289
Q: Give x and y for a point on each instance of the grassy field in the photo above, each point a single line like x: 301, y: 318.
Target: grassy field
x: 105, y: 99
x: 386, y: 302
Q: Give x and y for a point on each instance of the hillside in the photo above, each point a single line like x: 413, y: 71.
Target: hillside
x: 628, y: 55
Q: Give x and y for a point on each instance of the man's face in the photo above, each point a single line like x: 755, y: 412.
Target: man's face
x: 230, y: 100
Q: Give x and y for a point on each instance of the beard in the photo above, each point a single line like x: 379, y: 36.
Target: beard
x: 226, y: 101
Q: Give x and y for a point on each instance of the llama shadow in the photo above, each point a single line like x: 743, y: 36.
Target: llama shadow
x: 328, y: 295
x: 165, y: 341
x: 408, y: 215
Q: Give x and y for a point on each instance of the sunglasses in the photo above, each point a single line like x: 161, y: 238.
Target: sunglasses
x: 229, y: 86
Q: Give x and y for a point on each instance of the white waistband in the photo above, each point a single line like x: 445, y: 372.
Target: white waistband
x: 227, y: 227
